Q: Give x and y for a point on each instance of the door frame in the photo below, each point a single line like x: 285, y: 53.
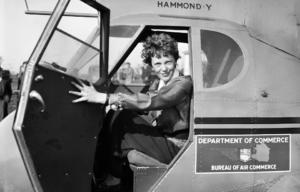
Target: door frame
x: 60, y: 8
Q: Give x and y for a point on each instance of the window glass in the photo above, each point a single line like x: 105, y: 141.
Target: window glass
x: 83, y: 31
x: 74, y: 48
x: 75, y: 6
x: 119, y: 37
x: 135, y: 72
x: 68, y: 55
x: 222, y: 59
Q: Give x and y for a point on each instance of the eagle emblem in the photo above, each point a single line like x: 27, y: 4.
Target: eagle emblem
x: 245, y: 155
x: 260, y: 153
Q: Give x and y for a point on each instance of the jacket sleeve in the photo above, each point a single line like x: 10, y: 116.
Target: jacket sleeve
x: 166, y: 97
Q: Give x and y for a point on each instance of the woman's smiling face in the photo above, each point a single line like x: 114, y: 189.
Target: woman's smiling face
x: 164, y: 67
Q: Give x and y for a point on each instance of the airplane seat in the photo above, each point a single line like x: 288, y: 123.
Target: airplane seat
x: 139, y: 159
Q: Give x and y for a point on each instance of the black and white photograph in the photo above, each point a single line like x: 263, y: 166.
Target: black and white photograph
x: 149, y: 96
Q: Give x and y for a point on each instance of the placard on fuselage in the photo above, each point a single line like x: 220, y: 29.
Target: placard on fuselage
x: 243, y: 153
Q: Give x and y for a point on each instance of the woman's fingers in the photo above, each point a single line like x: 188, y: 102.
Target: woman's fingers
x: 75, y: 93
x: 82, y: 98
x: 79, y: 100
x: 116, y: 108
x: 80, y: 82
x: 77, y: 86
x: 86, y: 92
x: 91, y: 83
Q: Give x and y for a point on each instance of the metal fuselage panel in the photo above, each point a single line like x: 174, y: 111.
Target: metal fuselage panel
x: 274, y: 22
x: 13, y: 174
x: 241, y: 105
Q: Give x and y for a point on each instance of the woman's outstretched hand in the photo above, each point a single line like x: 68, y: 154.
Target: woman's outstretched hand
x: 87, y: 93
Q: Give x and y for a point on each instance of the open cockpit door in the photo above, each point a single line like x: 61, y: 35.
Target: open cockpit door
x: 57, y: 138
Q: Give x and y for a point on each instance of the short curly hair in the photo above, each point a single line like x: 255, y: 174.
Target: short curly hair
x: 156, y: 44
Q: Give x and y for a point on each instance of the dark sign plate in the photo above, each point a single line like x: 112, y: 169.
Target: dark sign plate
x: 243, y: 153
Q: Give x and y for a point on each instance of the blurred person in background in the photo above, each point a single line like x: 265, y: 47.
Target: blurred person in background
x: 5, y: 93
x: 146, y: 73
x: 127, y: 73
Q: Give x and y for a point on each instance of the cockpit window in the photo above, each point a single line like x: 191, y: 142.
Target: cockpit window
x: 134, y: 71
x: 74, y: 49
x: 222, y: 59
x: 119, y: 38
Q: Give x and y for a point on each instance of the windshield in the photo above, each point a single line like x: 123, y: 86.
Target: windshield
x: 120, y: 37
x: 133, y: 70
x: 74, y: 49
x: 74, y: 46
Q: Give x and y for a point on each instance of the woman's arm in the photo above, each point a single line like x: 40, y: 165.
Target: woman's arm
x: 166, y: 97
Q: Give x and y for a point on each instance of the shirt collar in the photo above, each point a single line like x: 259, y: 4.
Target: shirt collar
x: 162, y: 83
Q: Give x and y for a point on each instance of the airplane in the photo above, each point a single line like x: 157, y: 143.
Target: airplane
x: 244, y: 59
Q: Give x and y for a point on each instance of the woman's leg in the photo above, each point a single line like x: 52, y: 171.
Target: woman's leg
x: 130, y: 131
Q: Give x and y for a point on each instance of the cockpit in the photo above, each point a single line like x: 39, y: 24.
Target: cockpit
x: 67, y: 131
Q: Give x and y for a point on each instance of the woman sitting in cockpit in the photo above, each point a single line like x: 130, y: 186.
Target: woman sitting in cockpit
x: 162, y: 132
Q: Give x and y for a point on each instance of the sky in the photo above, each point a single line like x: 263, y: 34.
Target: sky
x: 19, y: 32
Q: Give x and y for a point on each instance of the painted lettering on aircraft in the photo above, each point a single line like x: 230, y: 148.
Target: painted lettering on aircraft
x: 242, y: 153
x: 266, y: 167
x: 178, y: 5
x: 245, y: 140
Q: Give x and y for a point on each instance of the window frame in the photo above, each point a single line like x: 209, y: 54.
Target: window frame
x: 33, y: 61
x: 198, y: 73
x: 130, y: 47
